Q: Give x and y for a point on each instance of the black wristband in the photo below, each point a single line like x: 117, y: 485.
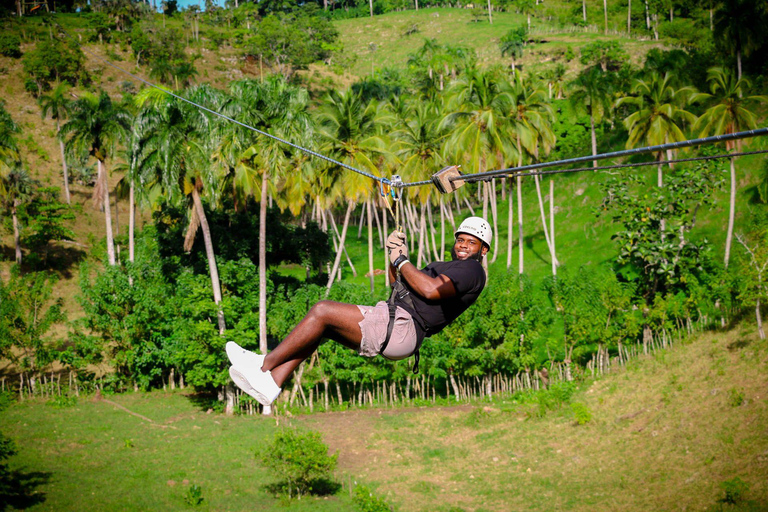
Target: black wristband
x: 399, y: 261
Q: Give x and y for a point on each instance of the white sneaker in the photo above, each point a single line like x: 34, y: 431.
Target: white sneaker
x: 243, y: 358
x: 258, y: 384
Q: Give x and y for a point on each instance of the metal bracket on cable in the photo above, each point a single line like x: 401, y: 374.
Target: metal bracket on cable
x: 447, y: 179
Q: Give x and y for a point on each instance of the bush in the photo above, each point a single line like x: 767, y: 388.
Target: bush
x: 194, y: 495
x: 736, y: 397
x: 10, y: 45
x: 366, y: 501
x: 301, y: 458
x: 735, y: 489
x: 581, y: 413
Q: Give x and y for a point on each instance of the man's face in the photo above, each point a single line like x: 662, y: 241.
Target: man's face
x: 468, y: 247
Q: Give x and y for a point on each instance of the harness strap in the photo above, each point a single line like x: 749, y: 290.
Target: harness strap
x: 400, y: 292
x: 390, y: 326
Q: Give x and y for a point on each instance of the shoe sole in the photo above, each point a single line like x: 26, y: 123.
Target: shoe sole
x: 241, y: 382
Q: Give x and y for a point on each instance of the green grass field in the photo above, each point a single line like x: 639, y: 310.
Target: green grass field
x: 665, y: 433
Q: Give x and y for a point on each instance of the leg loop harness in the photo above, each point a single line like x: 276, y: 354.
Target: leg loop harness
x: 400, y: 292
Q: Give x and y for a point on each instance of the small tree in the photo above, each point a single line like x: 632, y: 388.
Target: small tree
x: 10, y: 45
x: 54, y: 61
x: 301, y: 458
x: 754, y: 290
x: 513, y: 42
x: 27, y: 317
x: 46, y: 218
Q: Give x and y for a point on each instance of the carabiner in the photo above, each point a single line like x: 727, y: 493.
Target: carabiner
x: 383, y: 189
x: 395, y: 183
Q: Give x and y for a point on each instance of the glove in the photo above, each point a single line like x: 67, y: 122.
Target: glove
x: 398, y: 249
x: 395, y: 239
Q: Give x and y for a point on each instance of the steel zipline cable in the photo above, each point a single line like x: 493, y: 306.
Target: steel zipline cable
x: 535, y: 168
x: 219, y: 114
x: 472, y: 178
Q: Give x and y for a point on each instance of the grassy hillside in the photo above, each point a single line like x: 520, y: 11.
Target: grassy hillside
x: 664, y: 433
x: 383, y: 41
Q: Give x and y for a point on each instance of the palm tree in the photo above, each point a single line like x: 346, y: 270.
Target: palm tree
x: 513, y: 42
x: 554, y: 79
x: 57, y: 105
x: 660, y: 117
x: 97, y: 126
x: 418, y: 143
x: 728, y: 113
x: 740, y: 24
x: 478, y: 121
x: 348, y: 128
x: 530, y: 118
x: 255, y: 162
x: 176, y: 141
x: 591, y: 92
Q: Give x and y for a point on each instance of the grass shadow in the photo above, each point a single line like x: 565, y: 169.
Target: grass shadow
x: 18, y: 489
x: 317, y: 487
x: 205, y: 401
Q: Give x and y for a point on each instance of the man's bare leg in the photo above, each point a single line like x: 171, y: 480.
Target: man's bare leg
x: 327, y: 319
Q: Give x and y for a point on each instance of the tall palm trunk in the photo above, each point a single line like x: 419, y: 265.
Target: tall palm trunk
x: 441, y: 255
x: 369, y: 209
x: 435, y: 254
x: 605, y: 13
x: 212, y: 268
x: 510, y: 225
x: 629, y: 17
x: 263, y: 265
x: 104, y: 182
x: 593, y: 134
x: 520, y: 222
x: 337, y: 261
x: 555, y: 261
x: 131, y: 222
x: 544, y: 225
x: 385, y: 221
x: 731, y: 215
x: 494, y: 214
x: 16, y: 234
x: 131, y: 226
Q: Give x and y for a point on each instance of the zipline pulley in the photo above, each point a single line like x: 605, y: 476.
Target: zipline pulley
x: 446, y: 179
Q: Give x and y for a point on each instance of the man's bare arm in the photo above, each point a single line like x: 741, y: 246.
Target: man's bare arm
x: 431, y: 288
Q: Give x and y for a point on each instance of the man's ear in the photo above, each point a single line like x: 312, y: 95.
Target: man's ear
x: 485, y: 250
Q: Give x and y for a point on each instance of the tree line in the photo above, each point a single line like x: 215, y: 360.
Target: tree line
x: 199, y: 275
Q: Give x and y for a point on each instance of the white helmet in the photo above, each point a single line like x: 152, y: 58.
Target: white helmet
x: 476, y: 226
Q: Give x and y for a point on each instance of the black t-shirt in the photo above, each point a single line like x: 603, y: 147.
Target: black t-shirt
x: 430, y: 316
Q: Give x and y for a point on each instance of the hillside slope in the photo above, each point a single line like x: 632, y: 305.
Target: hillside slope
x: 664, y: 433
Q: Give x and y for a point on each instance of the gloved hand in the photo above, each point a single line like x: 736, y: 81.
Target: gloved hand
x: 397, y: 246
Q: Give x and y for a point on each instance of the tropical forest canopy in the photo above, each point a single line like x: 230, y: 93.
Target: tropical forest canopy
x: 198, y: 230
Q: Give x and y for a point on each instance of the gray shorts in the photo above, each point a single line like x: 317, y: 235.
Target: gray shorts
x: 402, y: 343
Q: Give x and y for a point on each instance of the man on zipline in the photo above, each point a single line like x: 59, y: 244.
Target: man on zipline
x: 422, y: 304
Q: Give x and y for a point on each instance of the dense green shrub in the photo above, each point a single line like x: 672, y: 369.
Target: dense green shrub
x: 53, y: 60
x: 367, y: 501
x: 10, y: 45
x: 300, y: 458
x: 734, y: 491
